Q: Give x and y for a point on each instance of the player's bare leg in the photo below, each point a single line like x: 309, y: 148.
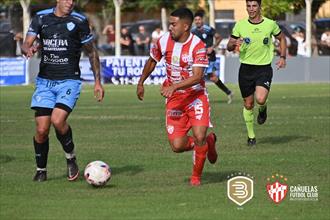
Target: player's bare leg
x: 64, y: 135
x: 182, y: 144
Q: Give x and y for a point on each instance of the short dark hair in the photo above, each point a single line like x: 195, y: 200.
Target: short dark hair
x: 199, y: 14
x: 183, y: 13
x: 259, y: 1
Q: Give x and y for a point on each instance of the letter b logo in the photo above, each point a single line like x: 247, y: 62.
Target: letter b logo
x: 240, y: 189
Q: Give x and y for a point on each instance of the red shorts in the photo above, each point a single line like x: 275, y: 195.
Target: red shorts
x: 184, y: 111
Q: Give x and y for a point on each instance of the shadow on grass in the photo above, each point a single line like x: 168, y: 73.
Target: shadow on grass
x: 5, y: 158
x: 282, y: 139
x: 129, y: 170
x: 107, y: 186
x: 216, y: 177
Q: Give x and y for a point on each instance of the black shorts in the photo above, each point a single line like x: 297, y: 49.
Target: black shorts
x: 251, y: 76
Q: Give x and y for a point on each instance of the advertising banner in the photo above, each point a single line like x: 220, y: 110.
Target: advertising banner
x: 128, y: 69
x: 13, y: 71
x: 86, y: 70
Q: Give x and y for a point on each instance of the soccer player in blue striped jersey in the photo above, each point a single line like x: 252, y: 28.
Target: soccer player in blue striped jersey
x: 61, y: 34
x: 207, y: 34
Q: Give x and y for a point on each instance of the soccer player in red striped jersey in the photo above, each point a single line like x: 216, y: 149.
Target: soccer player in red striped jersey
x: 187, y: 104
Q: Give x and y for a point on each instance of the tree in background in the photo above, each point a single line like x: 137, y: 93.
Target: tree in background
x: 25, y: 4
x: 275, y: 8
x: 165, y: 6
x: 101, y: 12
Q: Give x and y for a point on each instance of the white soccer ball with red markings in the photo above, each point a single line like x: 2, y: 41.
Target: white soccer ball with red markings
x: 97, y: 173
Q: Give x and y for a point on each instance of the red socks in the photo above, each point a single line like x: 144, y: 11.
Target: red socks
x: 199, y: 160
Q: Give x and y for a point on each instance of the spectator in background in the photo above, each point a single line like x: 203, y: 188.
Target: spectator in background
x: 156, y: 34
x: 325, y: 43
x: 278, y: 46
x: 109, y: 46
x: 126, y: 42
x: 142, y: 41
x: 300, y: 38
x: 291, y: 43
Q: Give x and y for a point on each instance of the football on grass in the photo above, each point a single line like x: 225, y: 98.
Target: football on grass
x: 97, y: 173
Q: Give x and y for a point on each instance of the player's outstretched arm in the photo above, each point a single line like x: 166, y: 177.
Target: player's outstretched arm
x: 95, y: 64
x: 28, y: 50
x: 147, y: 70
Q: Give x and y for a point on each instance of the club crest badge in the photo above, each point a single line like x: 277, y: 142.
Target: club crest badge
x: 70, y: 26
x: 276, y: 189
x: 170, y: 129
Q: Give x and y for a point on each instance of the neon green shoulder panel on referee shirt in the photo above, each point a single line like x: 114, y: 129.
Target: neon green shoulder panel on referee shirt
x: 257, y: 47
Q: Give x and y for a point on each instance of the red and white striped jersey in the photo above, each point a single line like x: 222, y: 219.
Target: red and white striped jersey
x: 180, y: 58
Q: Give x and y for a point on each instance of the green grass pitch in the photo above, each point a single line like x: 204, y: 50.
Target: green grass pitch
x: 150, y: 181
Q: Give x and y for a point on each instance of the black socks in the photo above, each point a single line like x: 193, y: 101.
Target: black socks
x: 66, y: 140
x: 223, y: 87
x: 41, y: 153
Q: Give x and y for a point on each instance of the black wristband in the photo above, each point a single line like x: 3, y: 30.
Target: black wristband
x: 284, y: 57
